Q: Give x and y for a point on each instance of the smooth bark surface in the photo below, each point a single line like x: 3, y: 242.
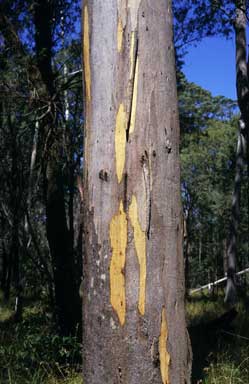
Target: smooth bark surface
x: 134, y: 327
x: 242, y: 86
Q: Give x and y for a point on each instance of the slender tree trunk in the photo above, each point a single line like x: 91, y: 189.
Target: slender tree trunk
x: 232, y: 243
x: 187, y: 249
x: 134, y: 328
x: 6, y: 292
x: 200, y: 250
x: 4, y: 266
x: 241, y: 153
x: 224, y: 250
x: 66, y: 292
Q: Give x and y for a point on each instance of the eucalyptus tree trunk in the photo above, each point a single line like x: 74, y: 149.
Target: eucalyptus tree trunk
x: 134, y: 328
x: 242, y: 86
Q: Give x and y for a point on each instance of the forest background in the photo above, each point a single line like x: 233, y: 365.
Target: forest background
x: 42, y: 195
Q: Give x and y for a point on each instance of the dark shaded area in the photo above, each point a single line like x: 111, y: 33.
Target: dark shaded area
x: 33, y: 349
x: 206, y: 339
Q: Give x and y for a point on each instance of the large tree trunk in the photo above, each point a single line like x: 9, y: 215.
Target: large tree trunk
x: 134, y: 327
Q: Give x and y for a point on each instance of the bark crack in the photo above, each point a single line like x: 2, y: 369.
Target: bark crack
x: 125, y: 191
x: 133, y: 80
x: 145, y: 161
x: 149, y: 219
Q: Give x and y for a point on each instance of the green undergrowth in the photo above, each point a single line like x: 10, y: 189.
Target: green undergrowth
x: 202, y: 307
x: 220, y: 356
x: 32, y: 352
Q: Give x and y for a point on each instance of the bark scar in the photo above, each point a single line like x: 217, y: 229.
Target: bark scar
x: 164, y: 356
x: 149, y: 219
x: 132, y: 93
x: 146, y: 164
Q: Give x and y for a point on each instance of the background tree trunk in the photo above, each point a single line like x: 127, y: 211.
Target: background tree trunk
x: 134, y: 327
x: 242, y: 86
x: 60, y: 244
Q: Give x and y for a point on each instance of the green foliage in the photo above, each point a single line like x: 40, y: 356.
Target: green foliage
x: 197, y: 107
x: 207, y: 181
x: 208, y: 147
x: 195, y: 20
x: 26, y: 141
x: 225, y: 371
x: 200, y: 307
x: 31, y: 351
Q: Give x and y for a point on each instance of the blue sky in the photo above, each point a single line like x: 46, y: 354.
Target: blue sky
x: 211, y: 64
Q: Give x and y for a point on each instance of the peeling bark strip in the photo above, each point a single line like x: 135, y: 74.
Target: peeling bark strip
x: 120, y: 35
x: 131, y: 125
x: 163, y: 353
x: 133, y: 222
x: 133, y: 85
x: 133, y: 50
x: 133, y: 107
x: 86, y: 54
x: 120, y: 141
x: 140, y: 246
x: 118, y: 236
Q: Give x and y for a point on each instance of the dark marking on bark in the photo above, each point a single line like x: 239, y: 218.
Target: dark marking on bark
x: 149, y: 219
x: 154, y: 153
x: 103, y: 175
x: 125, y: 191
x: 144, y: 159
x: 154, y: 352
x: 120, y: 374
x: 143, y: 328
x: 145, y: 163
x: 132, y: 88
x: 168, y: 146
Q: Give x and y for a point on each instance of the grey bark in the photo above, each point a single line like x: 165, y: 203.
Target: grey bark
x: 242, y: 144
x: 134, y: 328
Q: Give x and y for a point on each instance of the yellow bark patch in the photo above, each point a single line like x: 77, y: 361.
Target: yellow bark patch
x: 134, y: 100
x: 118, y: 236
x: 86, y: 53
x: 163, y: 353
x: 120, y: 35
x: 120, y: 141
x: 140, y: 246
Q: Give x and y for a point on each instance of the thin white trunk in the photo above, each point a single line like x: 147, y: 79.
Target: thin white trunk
x: 219, y: 281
